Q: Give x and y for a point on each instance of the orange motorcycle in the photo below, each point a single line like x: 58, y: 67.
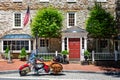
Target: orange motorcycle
x: 39, y: 66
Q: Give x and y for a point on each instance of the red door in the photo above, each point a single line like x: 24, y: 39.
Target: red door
x: 74, y: 48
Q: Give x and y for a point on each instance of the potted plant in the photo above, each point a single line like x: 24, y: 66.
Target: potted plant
x: 86, y: 55
x: 22, y: 54
x: 65, y: 57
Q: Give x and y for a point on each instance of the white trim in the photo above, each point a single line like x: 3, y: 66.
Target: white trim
x: 81, y: 50
x: 29, y: 45
x: 68, y: 20
x: 71, y: 0
x: 17, y: 0
x: 2, y: 45
x: 101, y: 0
x: 75, y: 18
x: 44, y: 0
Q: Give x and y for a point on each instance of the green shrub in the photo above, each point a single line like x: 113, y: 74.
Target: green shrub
x: 6, y: 52
x: 23, y: 53
x: 65, y: 52
x: 87, y: 53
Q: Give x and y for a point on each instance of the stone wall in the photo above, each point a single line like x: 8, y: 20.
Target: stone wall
x: 7, y: 8
x: 81, y: 7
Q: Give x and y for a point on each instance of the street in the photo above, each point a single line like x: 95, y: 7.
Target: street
x: 62, y: 76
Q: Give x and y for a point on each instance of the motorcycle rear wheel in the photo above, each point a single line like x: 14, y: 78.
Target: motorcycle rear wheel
x: 56, y: 68
x: 22, y: 73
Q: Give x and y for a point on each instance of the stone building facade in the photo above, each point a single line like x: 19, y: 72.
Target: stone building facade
x: 76, y: 10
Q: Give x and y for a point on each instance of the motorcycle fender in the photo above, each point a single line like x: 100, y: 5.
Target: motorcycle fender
x: 47, y: 69
x: 23, y: 66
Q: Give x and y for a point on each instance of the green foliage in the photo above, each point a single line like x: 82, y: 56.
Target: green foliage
x: 47, y: 23
x: 6, y: 52
x: 65, y: 52
x: 86, y: 53
x: 23, y: 53
x: 101, y: 23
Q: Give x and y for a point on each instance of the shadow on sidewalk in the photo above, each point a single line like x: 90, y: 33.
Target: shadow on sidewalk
x: 109, y: 66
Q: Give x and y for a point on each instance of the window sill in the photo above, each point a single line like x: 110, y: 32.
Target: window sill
x: 17, y: 28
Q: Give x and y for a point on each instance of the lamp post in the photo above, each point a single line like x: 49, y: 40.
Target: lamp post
x: 36, y: 36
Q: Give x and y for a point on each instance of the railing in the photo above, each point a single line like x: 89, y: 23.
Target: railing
x: 47, y: 56
x: 93, y: 56
x: 104, y: 56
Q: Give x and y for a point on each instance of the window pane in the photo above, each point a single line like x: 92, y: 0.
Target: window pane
x: 42, y: 43
x: 27, y: 47
x: 71, y: 19
x: 16, y: 45
x: 5, y: 43
x: 22, y: 42
x: 9, y: 42
x: 26, y: 43
x: 17, y: 19
x: 4, y: 47
x: 17, y: 42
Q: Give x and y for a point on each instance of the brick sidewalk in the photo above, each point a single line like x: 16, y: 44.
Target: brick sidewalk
x: 5, y: 66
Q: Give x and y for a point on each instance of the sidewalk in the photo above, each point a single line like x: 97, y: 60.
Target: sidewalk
x: 5, y: 66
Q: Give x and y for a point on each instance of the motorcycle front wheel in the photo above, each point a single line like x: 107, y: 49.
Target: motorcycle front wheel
x: 22, y: 73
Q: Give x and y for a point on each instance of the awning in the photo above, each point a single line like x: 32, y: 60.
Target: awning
x: 17, y: 36
x: 74, y: 32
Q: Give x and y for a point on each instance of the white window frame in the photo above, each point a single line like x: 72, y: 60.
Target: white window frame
x: 17, y: 0
x: 71, y: 0
x: 17, y: 51
x: 68, y: 19
x: 16, y: 27
x: 44, y: 0
x: 101, y: 0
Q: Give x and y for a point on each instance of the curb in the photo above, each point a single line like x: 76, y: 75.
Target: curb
x: 69, y: 71
x: 79, y: 71
x: 9, y: 71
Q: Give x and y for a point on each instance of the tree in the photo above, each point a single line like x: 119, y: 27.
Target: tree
x: 101, y: 24
x: 47, y: 23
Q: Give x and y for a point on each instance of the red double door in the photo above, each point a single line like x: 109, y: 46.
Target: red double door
x: 74, y: 48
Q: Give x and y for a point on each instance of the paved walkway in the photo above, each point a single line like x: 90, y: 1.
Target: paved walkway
x: 5, y: 66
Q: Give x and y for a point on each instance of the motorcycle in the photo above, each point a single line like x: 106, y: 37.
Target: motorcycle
x: 37, y: 65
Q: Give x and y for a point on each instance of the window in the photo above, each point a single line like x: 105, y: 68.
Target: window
x: 16, y: 45
x: 17, y: 20
x: 101, y: 0
x: 71, y: 0
x: 71, y: 19
x: 82, y: 43
x: 44, y: 0
x: 43, y: 43
x: 17, y: 0
x: 31, y: 45
x: 65, y: 41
